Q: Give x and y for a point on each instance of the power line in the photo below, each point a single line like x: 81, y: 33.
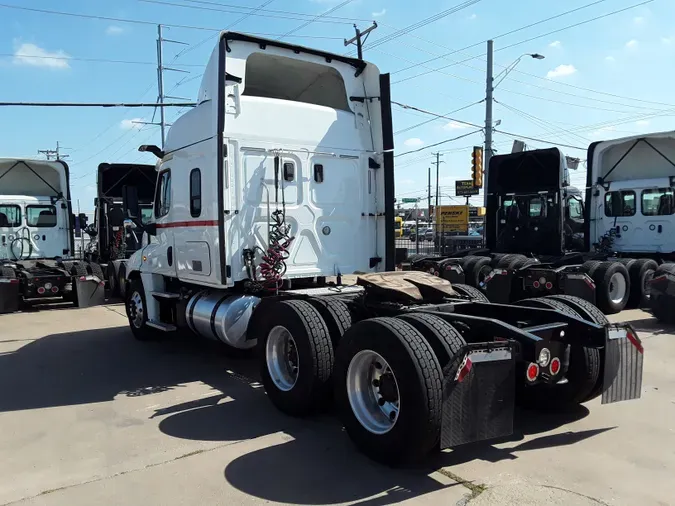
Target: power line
x: 574, y: 25
x: 142, y: 22
x: 407, y: 129
x: 93, y: 104
x: 263, y: 15
x: 443, y: 116
x: 438, y: 143
x: 421, y: 23
x: 519, y: 136
x: 316, y: 19
x: 99, y: 60
x: 255, y: 9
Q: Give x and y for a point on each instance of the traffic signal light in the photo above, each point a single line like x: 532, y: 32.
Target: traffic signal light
x: 477, y: 167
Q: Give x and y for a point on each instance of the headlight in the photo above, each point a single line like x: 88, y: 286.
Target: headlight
x: 544, y: 357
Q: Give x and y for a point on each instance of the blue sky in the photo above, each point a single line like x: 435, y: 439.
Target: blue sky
x: 627, y: 57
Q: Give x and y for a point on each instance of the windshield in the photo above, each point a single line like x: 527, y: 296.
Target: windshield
x: 146, y: 214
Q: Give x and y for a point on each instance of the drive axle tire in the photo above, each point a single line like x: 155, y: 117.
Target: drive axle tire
x: 582, y: 374
x: 512, y: 262
x: 469, y: 291
x: 589, y: 312
x: 661, y: 306
x: 388, y: 391
x: 444, y: 339
x: 296, y: 356
x: 111, y: 276
x: 137, y: 313
x: 612, y: 286
x: 335, y: 314
x: 640, y: 271
x: 477, y: 270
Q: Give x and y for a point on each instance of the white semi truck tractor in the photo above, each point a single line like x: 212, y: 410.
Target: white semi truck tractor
x: 37, y: 240
x: 282, y: 178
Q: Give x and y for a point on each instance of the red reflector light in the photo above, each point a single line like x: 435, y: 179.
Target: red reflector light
x: 555, y: 366
x: 589, y: 282
x: 41, y: 290
x: 549, y: 285
x: 464, y: 370
x: 55, y: 289
x: 83, y: 278
x: 634, y: 341
x: 532, y: 372
x: 13, y: 281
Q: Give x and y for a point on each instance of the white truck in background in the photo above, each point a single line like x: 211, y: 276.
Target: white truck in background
x: 36, y: 238
x: 630, y: 198
x: 282, y: 176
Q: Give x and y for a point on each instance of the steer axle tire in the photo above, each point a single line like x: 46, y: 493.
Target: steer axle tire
x: 388, y: 390
x: 296, y: 356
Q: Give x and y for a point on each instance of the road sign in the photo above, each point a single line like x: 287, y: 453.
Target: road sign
x: 410, y: 201
x: 453, y: 218
x: 465, y: 188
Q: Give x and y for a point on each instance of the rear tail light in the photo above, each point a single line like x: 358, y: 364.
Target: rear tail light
x: 536, y: 284
x: 41, y: 290
x: 55, y: 289
x: 532, y: 372
x: 549, y: 285
x: 555, y: 366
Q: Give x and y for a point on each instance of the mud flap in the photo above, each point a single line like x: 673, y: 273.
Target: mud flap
x: 9, y: 295
x: 478, y: 395
x: 579, y: 285
x: 623, y: 365
x: 90, y: 291
x: 497, y: 286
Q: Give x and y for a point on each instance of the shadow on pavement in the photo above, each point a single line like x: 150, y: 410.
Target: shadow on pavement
x: 96, y: 365
x: 652, y: 325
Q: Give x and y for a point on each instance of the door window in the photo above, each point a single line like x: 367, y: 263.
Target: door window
x: 658, y: 202
x: 41, y: 216
x: 620, y: 203
x: 10, y: 216
x: 195, y: 193
x: 163, y: 196
x: 576, y: 209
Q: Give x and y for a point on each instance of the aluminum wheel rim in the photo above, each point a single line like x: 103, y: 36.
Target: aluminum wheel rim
x: 617, y: 288
x: 136, y: 310
x: 375, y: 404
x: 483, y: 273
x: 281, y: 354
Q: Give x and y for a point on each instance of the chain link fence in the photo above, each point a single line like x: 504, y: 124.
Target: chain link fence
x: 428, y: 239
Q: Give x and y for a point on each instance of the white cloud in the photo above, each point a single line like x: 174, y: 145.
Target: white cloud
x: 610, y: 59
x: 555, y: 43
x: 561, y: 71
x: 632, y: 44
x: 379, y: 13
x: 114, y: 30
x: 639, y: 20
x: 454, y: 125
x: 473, y: 16
x: 30, y: 54
x: 414, y: 142
x: 131, y: 124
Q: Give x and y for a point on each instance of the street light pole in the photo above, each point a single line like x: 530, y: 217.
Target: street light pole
x: 489, y: 88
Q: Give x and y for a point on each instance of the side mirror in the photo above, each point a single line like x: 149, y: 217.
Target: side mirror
x: 150, y: 228
x: 130, y: 202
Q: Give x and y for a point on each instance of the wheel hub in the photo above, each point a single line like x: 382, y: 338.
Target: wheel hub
x: 373, y: 392
x: 617, y: 288
x: 136, y: 310
x: 281, y: 355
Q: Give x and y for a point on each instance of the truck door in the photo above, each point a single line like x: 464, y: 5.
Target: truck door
x: 658, y: 208
x: 162, y: 259
x: 329, y: 202
x: 11, y: 219
x: 617, y: 219
x: 47, y: 230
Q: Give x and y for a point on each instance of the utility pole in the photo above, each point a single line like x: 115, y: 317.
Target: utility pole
x: 160, y: 80
x: 360, y: 39
x: 489, y: 88
x: 429, y: 196
x: 56, y: 153
x: 438, y: 187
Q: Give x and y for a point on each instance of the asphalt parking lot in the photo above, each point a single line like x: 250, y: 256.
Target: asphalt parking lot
x: 90, y: 416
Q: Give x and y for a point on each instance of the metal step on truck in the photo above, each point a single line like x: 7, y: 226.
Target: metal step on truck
x: 37, y: 241
x: 113, y: 238
x: 542, y: 238
x: 281, y: 178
